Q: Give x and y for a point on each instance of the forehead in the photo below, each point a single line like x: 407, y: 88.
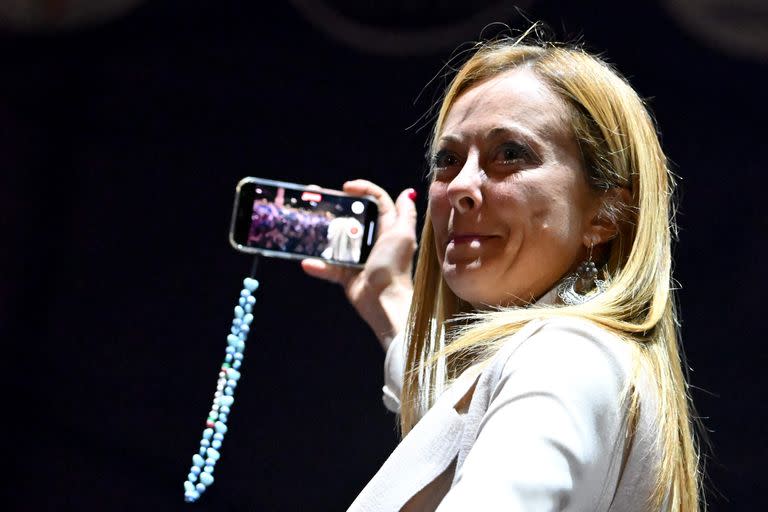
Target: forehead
x: 518, y: 97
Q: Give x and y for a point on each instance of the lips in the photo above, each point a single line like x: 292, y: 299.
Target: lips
x: 467, y: 238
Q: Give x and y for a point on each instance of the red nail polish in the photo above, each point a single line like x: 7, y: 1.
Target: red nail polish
x: 412, y: 195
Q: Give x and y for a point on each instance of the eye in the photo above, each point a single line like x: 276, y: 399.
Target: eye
x: 442, y: 160
x: 511, y: 153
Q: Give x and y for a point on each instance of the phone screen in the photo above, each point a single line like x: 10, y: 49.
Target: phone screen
x: 288, y: 220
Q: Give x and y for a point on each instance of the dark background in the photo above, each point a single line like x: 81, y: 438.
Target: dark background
x: 120, y: 146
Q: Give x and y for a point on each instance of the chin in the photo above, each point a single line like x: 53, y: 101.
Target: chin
x: 479, y: 299
x: 482, y: 289
x: 472, y: 289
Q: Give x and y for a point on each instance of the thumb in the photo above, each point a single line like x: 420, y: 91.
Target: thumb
x: 322, y: 270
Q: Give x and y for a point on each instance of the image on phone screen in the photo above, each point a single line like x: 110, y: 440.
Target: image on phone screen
x: 306, y: 223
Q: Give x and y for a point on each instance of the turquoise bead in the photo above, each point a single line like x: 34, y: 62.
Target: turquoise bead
x: 201, y: 452
x: 213, y: 453
x: 216, y: 444
x: 189, y: 486
x: 233, y: 374
x: 218, y: 436
x: 191, y: 477
x: 220, y: 427
x: 191, y: 496
x: 205, y: 442
x: 224, y: 409
x: 250, y: 284
x: 239, y: 312
x: 197, y: 460
x: 242, y: 301
x: 200, y: 487
x: 246, y: 294
x: 207, y: 433
x: 195, y: 470
x: 248, y: 318
x: 236, y: 364
x: 250, y: 300
x: 206, y: 478
x: 245, y: 328
x: 226, y: 401
x: 248, y: 308
x: 208, y: 469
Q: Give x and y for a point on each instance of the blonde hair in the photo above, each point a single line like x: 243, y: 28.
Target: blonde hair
x: 620, y: 148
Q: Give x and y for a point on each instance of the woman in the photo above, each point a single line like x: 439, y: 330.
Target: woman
x: 538, y: 367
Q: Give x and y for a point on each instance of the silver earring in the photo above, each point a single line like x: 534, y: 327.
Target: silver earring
x: 582, y: 285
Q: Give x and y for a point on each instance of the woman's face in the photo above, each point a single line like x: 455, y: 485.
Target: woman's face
x: 509, y: 202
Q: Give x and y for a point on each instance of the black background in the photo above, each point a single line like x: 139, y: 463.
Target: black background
x: 120, y: 146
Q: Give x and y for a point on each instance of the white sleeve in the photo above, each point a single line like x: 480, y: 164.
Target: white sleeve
x: 394, y: 368
x: 552, y: 438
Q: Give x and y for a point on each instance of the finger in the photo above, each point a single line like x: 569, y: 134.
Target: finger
x: 405, y: 223
x: 405, y: 207
x: 322, y: 270
x: 365, y: 187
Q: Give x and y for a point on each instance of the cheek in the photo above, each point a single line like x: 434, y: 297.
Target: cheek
x: 439, y: 211
x: 555, y: 227
x: 549, y: 205
x: 522, y: 206
x: 437, y: 190
x: 439, y: 206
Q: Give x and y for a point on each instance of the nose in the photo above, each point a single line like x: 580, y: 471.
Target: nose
x: 464, y: 189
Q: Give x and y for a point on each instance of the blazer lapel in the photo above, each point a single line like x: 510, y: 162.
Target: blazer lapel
x: 420, y: 457
x: 484, y: 389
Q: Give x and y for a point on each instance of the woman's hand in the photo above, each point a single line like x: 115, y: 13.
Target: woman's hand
x: 381, y: 291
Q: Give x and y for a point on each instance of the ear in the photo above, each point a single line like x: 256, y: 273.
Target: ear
x: 603, y: 223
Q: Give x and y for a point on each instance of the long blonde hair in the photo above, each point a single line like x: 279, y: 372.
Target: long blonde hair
x: 620, y: 148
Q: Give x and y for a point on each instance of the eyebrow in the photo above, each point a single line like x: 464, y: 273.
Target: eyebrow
x: 504, y: 129
x: 449, y: 138
x: 530, y: 137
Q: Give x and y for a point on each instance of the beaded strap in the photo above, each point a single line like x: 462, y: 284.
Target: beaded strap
x: 203, y: 462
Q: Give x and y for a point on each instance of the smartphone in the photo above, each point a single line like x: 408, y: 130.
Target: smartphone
x: 287, y: 220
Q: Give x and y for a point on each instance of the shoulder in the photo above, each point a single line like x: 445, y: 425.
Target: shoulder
x: 567, y: 340
x: 571, y: 355
x: 547, y: 419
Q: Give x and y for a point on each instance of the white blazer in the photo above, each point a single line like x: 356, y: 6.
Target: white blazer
x: 545, y: 430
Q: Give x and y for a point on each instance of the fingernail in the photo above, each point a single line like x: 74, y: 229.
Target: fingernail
x: 412, y: 195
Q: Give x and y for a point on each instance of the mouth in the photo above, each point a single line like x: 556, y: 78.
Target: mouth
x: 468, y: 238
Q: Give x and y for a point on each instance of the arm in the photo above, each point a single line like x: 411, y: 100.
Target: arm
x: 552, y: 436
x: 394, y: 368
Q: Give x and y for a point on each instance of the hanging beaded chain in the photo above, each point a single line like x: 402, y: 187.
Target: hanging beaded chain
x: 201, y: 473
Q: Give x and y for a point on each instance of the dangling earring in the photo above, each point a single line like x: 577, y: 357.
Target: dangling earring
x: 582, y: 285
